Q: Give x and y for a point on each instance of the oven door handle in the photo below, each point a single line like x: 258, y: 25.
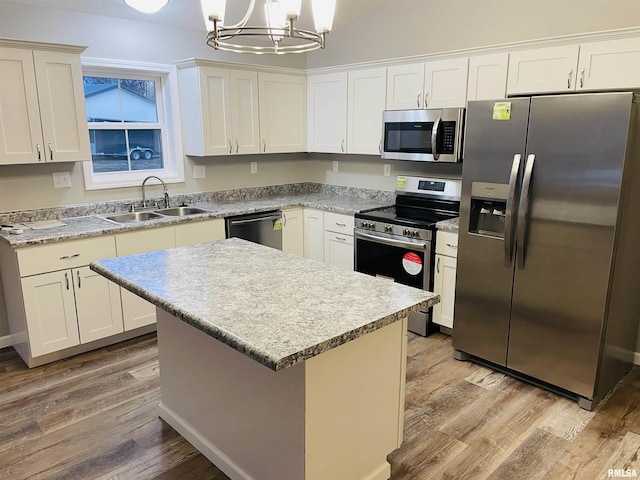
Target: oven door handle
x: 395, y: 243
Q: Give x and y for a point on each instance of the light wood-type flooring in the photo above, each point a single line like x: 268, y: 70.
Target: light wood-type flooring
x: 94, y: 416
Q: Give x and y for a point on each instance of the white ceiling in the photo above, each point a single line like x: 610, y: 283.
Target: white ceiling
x: 187, y: 13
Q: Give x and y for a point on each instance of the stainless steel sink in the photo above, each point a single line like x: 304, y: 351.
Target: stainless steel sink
x: 131, y: 217
x: 180, y: 211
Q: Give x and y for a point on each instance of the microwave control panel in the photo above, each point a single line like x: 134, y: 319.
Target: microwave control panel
x: 448, y: 137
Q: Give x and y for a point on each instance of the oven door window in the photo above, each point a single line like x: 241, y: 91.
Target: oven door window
x: 408, y: 137
x: 402, y: 265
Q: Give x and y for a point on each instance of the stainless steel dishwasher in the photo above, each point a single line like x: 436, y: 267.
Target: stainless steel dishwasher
x: 264, y: 228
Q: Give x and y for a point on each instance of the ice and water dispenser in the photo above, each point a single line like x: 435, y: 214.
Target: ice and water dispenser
x: 488, y: 207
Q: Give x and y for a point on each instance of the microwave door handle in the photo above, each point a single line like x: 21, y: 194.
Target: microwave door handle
x: 523, y: 210
x: 510, y: 210
x: 434, y: 138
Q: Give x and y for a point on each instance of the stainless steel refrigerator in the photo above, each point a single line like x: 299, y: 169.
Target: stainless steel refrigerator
x: 548, y: 275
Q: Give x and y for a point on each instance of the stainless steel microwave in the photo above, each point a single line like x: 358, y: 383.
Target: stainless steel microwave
x: 426, y: 135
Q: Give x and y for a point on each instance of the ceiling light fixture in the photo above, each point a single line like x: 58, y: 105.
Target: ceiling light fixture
x: 279, y: 29
x: 146, y: 6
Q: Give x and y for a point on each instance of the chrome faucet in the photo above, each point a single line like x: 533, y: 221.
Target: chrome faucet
x: 164, y: 185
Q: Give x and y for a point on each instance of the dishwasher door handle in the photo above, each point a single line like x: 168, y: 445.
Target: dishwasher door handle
x: 254, y: 219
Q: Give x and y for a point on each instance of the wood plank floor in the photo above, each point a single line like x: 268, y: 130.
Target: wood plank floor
x: 94, y: 416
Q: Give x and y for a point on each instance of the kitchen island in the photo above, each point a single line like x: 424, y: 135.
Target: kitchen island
x: 275, y: 366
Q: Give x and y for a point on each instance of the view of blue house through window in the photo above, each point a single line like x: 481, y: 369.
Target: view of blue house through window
x: 124, y: 131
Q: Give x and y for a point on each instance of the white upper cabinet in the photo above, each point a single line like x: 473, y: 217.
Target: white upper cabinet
x: 543, y: 70
x: 405, y: 87
x: 42, y: 110
x: 612, y: 64
x: 219, y: 110
x: 445, y: 83
x: 366, y: 102
x: 488, y: 77
x: 327, y: 113
x: 437, y: 84
x: 283, y: 112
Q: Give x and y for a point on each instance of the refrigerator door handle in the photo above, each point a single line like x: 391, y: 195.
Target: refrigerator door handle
x: 510, y: 210
x: 523, y: 210
x: 434, y: 138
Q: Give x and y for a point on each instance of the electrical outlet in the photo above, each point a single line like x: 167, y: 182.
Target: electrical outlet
x: 387, y: 170
x: 61, y: 180
x: 335, y: 166
x: 254, y: 167
x: 198, y: 171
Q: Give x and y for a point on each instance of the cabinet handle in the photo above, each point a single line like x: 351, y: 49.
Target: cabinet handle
x: 426, y: 98
x: 51, y: 152
x: 264, y: 146
x: 39, y: 152
x: 341, y: 224
x: 582, y: 78
x: 342, y: 145
x: 341, y: 239
x: 78, y: 275
x: 237, y: 146
x: 66, y: 257
x: 569, y: 78
x: 284, y: 219
x: 451, y: 245
x: 418, y: 99
x: 66, y: 279
x: 438, y: 265
x: 380, y: 146
x: 230, y: 147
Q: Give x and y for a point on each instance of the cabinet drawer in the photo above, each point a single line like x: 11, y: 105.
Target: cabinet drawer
x: 447, y: 243
x: 58, y: 256
x: 339, y: 223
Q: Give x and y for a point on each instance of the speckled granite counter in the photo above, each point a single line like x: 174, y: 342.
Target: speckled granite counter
x: 84, y: 226
x: 451, y: 225
x: 250, y: 297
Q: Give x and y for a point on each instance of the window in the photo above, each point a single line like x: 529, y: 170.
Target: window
x: 132, y: 129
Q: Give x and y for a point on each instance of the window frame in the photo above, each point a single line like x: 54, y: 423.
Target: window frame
x: 168, y: 109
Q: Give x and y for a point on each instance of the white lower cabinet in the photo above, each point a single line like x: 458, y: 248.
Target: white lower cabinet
x: 137, y: 312
x: 199, y: 232
x: 313, y: 234
x: 293, y: 231
x: 338, y: 250
x: 445, y: 277
x: 54, y: 301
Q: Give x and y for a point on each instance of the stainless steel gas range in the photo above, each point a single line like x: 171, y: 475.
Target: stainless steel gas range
x: 398, y: 242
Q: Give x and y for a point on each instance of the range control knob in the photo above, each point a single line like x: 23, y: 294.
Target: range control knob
x: 372, y: 226
x: 405, y: 232
x: 388, y: 229
x: 415, y: 233
x: 363, y: 224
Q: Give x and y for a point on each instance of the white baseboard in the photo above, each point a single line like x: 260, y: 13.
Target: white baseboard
x: 636, y: 358
x: 6, y: 342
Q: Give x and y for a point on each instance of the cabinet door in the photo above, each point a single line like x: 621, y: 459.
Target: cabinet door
x: 327, y: 111
x: 62, y: 109
x: 366, y: 102
x: 199, y: 232
x: 338, y: 250
x: 136, y: 311
x: 488, y: 77
x: 20, y: 132
x: 97, y: 304
x: 405, y: 87
x: 445, y: 83
x: 293, y: 231
x: 313, y: 234
x: 51, y: 312
x: 610, y: 64
x: 283, y: 113
x: 244, y: 111
x: 216, y: 111
x: 444, y: 284
x: 543, y: 70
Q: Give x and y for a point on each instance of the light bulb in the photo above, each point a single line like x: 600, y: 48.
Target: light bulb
x: 291, y: 8
x: 215, y: 9
x: 323, y: 11
x: 146, y: 6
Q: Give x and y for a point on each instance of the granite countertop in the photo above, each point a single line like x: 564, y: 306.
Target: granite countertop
x: 278, y: 309
x: 92, y: 226
x: 451, y: 225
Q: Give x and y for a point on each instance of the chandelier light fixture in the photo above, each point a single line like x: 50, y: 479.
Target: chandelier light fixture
x: 146, y: 6
x: 278, y: 35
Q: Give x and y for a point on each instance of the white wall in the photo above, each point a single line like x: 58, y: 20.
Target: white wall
x: 403, y: 28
